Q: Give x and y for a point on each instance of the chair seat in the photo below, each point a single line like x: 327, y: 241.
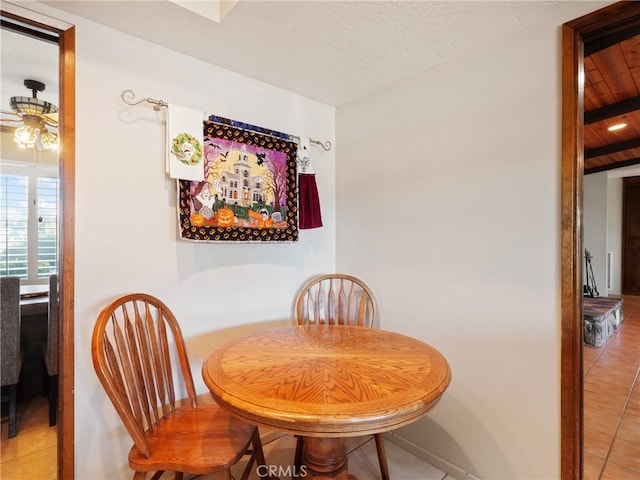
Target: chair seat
x: 200, y: 440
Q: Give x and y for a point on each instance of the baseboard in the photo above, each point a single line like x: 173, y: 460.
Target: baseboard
x: 440, y: 463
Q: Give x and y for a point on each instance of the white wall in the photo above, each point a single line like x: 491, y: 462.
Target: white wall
x: 602, y: 220
x: 614, y: 222
x: 10, y: 151
x: 595, y: 227
x: 614, y: 234
x: 448, y: 186
x: 126, y: 221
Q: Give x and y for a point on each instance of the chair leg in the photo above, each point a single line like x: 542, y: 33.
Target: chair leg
x: 257, y: 454
x: 13, y: 414
x: 257, y: 448
x: 382, y: 456
x: 53, y: 399
x: 45, y: 379
x: 298, y: 456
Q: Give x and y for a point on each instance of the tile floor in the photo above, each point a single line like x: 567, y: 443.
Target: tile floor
x: 611, y: 424
x: 363, y: 461
x: 612, y: 402
x: 31, y: 455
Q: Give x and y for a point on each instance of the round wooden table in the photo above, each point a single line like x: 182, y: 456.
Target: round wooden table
x: 327, y: 382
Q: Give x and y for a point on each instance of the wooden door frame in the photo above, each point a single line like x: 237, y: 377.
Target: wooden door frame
x: 66, y: 444
x: 66, y: 175
x: 594, y: 25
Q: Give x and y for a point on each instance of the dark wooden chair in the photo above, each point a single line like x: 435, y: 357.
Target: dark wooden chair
x: 10, y: 352
x: 135, y: 340
x: 343, y: 300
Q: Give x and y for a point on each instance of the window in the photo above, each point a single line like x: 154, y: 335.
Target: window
x: 28, y: 221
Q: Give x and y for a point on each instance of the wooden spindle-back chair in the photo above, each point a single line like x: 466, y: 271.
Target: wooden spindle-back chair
x: 338, y: 299
x: 135, y: 341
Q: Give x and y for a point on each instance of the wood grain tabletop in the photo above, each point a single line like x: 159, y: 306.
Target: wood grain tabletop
x: 327, y: 380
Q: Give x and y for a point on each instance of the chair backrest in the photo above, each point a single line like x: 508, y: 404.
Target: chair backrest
x: 10, y: 329
x: 51, y: 351
x: 134, y: 341
x: 336, y: 299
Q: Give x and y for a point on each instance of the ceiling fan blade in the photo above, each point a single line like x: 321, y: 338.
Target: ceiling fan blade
x: 51, y: 119
x: 10, y: 112
x: 11, y: 120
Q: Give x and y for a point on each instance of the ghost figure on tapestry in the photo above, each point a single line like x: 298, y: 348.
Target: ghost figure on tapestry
x: 204, y: 201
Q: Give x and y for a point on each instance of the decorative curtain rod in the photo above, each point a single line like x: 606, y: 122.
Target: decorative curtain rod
x: 326, y: 146
x: 128, y: 97
x: 157, y: 104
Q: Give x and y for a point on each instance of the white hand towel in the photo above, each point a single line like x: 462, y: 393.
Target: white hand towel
x: 185, y: 152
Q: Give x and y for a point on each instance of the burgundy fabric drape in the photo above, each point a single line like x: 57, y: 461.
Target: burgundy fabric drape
x: 308, y: 202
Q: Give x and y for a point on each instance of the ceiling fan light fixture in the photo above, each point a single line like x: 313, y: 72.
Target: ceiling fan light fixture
x: 48, y: 140
x: 33, y: 121
x: 25, y: 136
x: 33, y: 112
x: 31, y: 106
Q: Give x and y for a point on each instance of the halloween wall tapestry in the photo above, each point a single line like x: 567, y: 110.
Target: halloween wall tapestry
x: 249, y: 189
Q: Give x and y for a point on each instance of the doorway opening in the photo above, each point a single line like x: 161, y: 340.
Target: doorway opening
x: 601, y: 23
x: 41, y: 26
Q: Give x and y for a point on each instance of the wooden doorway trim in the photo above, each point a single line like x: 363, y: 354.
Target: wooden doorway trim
x: 66, y: 444
x: 66, y: 130
x: 571, y: 265
x: 595, y: 25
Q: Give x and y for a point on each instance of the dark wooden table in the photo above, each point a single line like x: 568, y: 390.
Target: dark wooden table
x: 326, y: 383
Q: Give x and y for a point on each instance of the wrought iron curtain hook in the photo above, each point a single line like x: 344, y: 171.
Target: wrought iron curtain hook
x: 128, y: 97
x: 326, y: 146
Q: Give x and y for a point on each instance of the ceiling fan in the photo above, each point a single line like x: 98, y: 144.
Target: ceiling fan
x: 38, y: 118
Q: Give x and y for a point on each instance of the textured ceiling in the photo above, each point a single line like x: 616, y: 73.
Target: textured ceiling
x: 330, y: 51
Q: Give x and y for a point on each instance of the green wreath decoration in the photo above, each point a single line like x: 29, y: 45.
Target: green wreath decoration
x: 176, y: 148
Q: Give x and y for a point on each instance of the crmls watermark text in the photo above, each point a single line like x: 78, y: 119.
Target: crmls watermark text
x: 288, y: 471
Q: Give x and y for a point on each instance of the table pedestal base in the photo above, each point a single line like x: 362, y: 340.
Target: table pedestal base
x: 325, y: 458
